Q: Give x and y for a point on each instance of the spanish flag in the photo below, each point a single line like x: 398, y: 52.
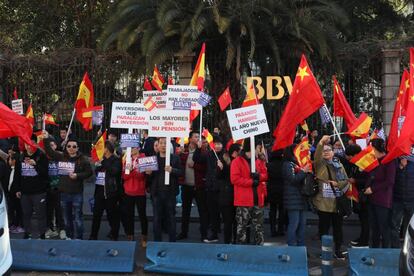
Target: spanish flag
x: 365, y: 160
x: 85, y: 99
x: 49, y: 120
x: 147, y: 85
x: 39, y: 139
x: 149, y: 104
x: 199, y: 73
x: 352, y: 193
x: 178, y: 140
x: 361, y: 126
x: 208, y: 137
x: 305, y: 126
x: 88, y: 112
x: 302, y: 152
x: 29, y: 115
x: 97, y: 151
x: 251, y: 98
x: 157, y: 79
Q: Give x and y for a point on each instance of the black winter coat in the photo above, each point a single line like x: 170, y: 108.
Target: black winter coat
x: 112, y: 168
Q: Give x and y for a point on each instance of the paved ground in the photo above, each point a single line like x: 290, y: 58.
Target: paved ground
x: 351, y: 230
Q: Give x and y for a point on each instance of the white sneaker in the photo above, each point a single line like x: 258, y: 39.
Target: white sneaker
x: 178, y: 204
x: 62, y: 235
x: 51, y: 234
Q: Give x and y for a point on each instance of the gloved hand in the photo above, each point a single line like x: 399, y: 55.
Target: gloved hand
x: 255, y: 183
x: 255, y: 176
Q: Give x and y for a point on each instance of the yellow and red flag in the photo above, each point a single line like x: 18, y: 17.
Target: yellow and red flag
x: 49, y: 120
x: 150, y: 104
x: 352, y: 193
x: 365, y: 159
x: 251, y: 97
x: 88, y: 112
x: 39, y: 139
x: 361, y: 126
x: 304, y: 126
x: 231, y: 142
x: 97, y: 151
x: 157, y: 79
x: 178, y: 140
x: 199, y: 73
x: 341, y: 105
x: 305, y: 99
x: 85, y: 99
x: 29, y: 115
x: 208, y: 137
x: 302, y: 153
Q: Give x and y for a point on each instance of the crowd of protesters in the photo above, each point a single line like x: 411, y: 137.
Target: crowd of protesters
x: 219, y: 180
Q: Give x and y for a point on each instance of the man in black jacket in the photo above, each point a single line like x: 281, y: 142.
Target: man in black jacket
x: 164, y: 196
x: 108, y: 190
x: 32, y: 189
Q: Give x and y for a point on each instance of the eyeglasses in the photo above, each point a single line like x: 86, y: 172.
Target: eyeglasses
x: 72, y: 146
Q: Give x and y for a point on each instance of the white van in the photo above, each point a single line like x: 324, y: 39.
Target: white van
x: 5, y: 251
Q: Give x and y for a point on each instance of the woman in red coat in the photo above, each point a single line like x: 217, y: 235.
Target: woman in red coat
x: 135, y: 195
x: 249, y: 195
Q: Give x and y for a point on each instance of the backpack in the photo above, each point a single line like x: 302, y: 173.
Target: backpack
x: 310, y: 186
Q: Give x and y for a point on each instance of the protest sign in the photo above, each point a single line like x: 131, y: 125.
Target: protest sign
x: 17, y: 106
x: 159, y: 97
x: 183, y: 93
x: 100, y: 178
x: 169, y: 123
x: 130, y: 140
x: 129, y: 115
x: 149, y: 163
x: 247, y: 122
x: 53, y: 169
x: 182, y: 105
x: 65, y: 168
x: 204, y: 99
x: 28, y: 170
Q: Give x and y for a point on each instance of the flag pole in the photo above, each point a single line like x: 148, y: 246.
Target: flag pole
x: 333, y: 124
x: 201, y: 121
x: 44, y: 122
x: 70, y: 125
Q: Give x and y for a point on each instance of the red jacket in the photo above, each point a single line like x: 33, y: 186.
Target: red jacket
x: 244, y: 192
x: 134, y: 182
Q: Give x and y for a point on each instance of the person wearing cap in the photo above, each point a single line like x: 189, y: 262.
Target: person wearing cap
x: 73, y: 169
x: 32, y: 189
x: 249, y: 195
x: 113, y: 138
x: 226, y: 194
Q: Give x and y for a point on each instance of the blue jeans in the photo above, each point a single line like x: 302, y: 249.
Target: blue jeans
x: 72, y: 206
x: 399, y: 211
x: 296, y: 228
x: 164, y: 209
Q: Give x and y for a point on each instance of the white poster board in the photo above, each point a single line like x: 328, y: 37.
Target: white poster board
x: 169, y: 123
x: 129, y: 116
x: 159, y: 97
x: 17, y: 106
x: 247, y: 121
x: 183, y: 93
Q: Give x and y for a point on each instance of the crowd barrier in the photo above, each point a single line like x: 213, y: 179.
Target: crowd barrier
x: 222, y: 259
x: 373, y: 261
x: 73, y: 255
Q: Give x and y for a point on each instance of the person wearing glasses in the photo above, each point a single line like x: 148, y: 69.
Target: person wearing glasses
x: 73, y: 169
x: 332, y: 180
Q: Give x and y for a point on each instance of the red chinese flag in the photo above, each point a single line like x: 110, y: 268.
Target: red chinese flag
x: 225, y: 99
x: 400, y: 109
x: 12, y: 124
x: 85, y: 99
x: 15, y: 94
x: 170, y: 80
x: 341, y: 105
x: 305, y: 99
x: 147, y: 85
x: 157, y: 79
x: 406, y: 139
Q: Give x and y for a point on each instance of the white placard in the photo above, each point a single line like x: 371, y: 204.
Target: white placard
x: 247, y: 121
x: 129, y: 115
x: 183, y: 93
x: 159, y: 97
x: 169, y: 123
x: 17, y: 106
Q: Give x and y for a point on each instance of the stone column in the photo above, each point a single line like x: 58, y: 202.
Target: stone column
x: 390, y: 77
x: 185, y: 68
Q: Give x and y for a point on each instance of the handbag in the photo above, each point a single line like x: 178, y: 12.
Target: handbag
x: 343, y: 203
x: 310, y: 186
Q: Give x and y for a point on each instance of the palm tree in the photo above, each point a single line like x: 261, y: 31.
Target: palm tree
x: 267, y: 32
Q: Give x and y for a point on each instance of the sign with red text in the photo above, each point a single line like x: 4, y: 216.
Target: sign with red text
x: 129, y: 115
x: 159, y: 97
x: 169, y: 123
x: 17, y: 106
x: 247, y: 121
x: 183, y: 93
